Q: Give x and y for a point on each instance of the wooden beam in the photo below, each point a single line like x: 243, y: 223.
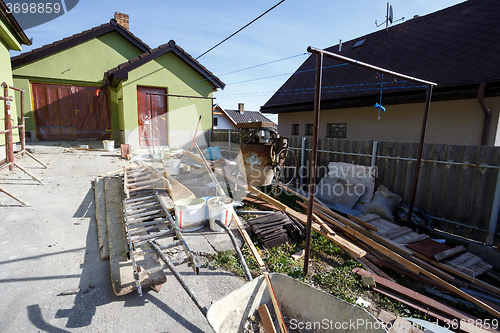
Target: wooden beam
x: 266, y: 320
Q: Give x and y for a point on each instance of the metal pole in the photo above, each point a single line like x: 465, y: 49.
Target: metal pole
x: 9, y: 144
x: 492, y: 228
x: 23, y: 124
x: 420, y: 150
x: 314, y: 156
x: 368, y: 66
x: 374, y: 153
x: 302, y: 160
x: 229, y: 141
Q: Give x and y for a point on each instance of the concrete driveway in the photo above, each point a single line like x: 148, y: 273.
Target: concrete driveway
x: 51, y: 247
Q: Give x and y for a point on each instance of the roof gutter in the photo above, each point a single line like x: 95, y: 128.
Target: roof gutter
x: 487, y: 114
x: 12, y: 20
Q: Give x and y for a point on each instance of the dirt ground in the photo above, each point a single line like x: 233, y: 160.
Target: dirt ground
x: 51, y: 247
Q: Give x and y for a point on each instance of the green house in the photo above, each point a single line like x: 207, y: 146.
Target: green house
x: 105, y: 83
x: 12, y: 37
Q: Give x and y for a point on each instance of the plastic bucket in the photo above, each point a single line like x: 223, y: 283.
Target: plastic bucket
x: 189, y: 213
x: 109, y: 145
x: 220, y: 208
x: 173, y: 166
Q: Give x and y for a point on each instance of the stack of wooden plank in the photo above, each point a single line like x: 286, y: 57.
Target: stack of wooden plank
x: 275, y: 229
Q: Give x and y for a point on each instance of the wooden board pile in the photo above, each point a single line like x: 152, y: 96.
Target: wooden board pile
x: 276, y: 229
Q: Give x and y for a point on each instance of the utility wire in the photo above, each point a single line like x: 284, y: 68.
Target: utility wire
x: 267, y: 11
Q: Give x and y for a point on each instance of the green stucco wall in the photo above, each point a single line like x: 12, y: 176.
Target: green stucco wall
x: 6, y: 76
x: 169, y: 71
x: 86, y: 62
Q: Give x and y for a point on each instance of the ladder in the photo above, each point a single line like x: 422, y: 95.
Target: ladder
x: 148, y: 219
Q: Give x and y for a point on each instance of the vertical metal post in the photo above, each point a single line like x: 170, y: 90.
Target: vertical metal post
x: 23, y: 125
x: 420, y: 150
x: 9, y: 144
x: 302, y: 161
x: 229, y: 142
x: 492, y: 228
x: 374, y: 154
x: 314, y: 156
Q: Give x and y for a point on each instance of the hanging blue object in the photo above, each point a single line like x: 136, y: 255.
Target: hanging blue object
x: 379, y: 105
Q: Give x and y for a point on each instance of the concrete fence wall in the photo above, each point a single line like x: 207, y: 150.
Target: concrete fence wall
x: 456, y: 185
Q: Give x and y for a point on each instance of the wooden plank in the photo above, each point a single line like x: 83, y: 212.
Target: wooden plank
x: 275, y: 304
x: 461, y: 274
x: 364, y: 224
x: 449, y: 253
x: 100, y: 216
x: 409, y: 238
x: 266, y: 320
x: 413, y: 295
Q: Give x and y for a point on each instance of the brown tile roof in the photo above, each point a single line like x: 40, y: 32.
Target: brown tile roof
x: 114, y: 75
x: 457, y: 47
x: 60, y: 45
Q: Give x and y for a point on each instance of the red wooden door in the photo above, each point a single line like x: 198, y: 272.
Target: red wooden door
x: 64, y: 112
x: 152, y: 116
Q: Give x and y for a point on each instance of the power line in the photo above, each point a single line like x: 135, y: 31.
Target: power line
x: 267, y: 11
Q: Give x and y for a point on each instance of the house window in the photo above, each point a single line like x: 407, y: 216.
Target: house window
x: 336, y: 130
x: 295, y: 129
x: 309, y: 129
x: 216, y: 121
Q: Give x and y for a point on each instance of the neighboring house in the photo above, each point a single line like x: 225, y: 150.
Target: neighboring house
x: 12, y: 37
x: 457, y: 47
x: 228, y: 119
x: 101, y: 83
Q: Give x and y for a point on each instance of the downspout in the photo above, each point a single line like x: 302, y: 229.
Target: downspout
x: 487, y: 114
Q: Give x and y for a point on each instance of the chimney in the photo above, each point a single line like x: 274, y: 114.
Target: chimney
x: 241, y: 108
x: 122, y: 19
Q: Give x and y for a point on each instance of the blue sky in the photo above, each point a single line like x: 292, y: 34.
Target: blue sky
x: 198, y: 25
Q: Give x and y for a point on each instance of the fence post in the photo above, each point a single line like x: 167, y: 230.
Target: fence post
x: 229, y: 141
x: 492, y: 229
x: 302, y: 159
x: 374, y: 153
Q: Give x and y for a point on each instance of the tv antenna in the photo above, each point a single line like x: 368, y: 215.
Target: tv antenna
x: 388, y: 18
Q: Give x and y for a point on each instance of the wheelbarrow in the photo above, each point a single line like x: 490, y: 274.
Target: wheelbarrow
x: 304, y: 306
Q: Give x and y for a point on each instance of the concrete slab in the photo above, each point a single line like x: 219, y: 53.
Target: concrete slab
x: 52, y: 246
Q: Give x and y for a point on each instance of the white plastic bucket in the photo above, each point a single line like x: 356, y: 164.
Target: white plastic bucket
x: 220, y: 208
x: 173, y: 166
x: 109, y: 145
x: 189, y: 213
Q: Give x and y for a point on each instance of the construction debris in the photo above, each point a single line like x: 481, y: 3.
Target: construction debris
x: 275, y: 229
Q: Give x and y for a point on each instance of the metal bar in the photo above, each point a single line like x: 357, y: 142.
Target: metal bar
x: 138, y: 199
x: 150, y: 213
x: 33, y: 157
x: 9, y: 144
x: 237, y: 248
x: 165, y: 247
x: 179, y: 278
x: 145, y: 218
x: 153, y: 235
x: 182, y: 96
x: 27, y: 172
x: 314, y: 155
x: 140, y: 225
x: 420, y: 150
x: 229, y: 141
x: 24, y: 203
x: 492, y: 227
x: 368, y: 66
x: 302, y: 161
x: 374, y: 154
x: 23, y: 121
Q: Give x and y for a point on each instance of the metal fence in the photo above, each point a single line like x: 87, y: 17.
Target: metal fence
x: 458, y: 185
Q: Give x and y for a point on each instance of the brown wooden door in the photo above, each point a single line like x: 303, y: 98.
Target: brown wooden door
x: 152, y: 116
x: 64, y: 112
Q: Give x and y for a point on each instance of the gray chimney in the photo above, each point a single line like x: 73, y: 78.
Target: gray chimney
x: 122, y: 19
x: 241, y: 108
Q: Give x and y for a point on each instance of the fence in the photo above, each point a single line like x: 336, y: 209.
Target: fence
x: 457, y: 184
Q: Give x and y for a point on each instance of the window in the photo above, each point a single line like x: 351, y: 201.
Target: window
x: 309, y: 129
x: 295, y: 129
x: 216, y: 121
x: 336, y: 130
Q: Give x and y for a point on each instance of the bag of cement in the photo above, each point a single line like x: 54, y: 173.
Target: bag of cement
x: 384, y: 203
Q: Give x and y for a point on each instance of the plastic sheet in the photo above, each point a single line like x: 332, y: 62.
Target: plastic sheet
x: 152, y: 116
x: 64, y: 112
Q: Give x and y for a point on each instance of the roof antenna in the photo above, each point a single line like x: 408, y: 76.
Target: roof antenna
x: 388, y: 18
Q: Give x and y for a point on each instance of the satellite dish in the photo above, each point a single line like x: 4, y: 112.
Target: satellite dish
x: 390, y: 14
